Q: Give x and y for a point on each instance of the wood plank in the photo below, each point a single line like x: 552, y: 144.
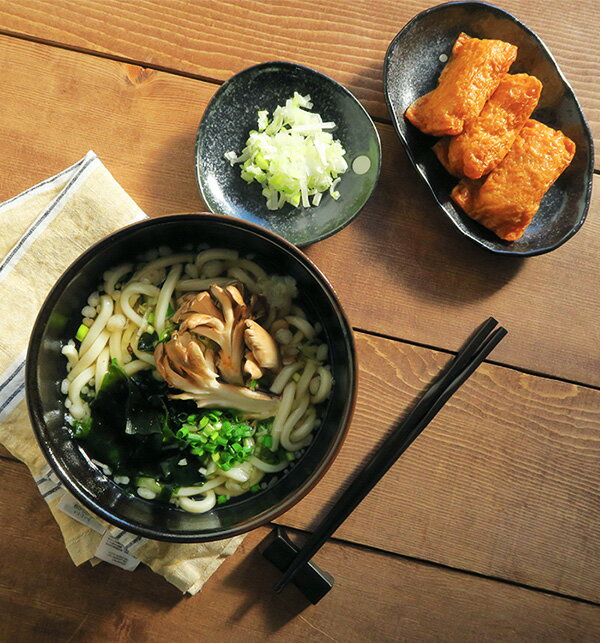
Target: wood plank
x: 415, y: 277
x: 504, y: 482
x: 345, y: 40
x: 376, y: 596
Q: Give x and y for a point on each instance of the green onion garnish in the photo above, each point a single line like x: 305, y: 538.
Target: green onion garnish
x: 82, y: 331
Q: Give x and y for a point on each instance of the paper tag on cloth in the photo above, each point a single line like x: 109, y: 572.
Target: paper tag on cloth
x: 68, y: 505
x: 110, y: 550
x: 130, y: 542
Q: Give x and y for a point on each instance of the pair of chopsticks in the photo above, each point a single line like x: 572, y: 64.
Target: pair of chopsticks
x: 481, y: 344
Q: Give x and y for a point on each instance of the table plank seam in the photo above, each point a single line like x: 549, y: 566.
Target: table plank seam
x: 132, y: 61
x: 447, y: 351
x: 109, y: 56
x: 415, y: 559
x: 458, y: 570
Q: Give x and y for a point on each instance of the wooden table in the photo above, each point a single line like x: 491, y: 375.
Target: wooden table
x: 489, y: 526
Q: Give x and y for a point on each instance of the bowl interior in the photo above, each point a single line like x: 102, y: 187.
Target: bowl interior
x: 413, y: 64
x: 232, y: 114
x: 57, y: 323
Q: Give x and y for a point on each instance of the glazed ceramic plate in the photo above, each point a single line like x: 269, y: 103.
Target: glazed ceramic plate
x: 413, y: 63
x: 232, y: 113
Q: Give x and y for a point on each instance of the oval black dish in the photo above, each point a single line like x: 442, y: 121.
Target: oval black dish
x: 230, y: 116
x: 46, y: 367
x: 413, y: 63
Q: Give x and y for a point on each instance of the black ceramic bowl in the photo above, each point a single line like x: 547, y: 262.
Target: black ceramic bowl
x: 57, y: 323
x: 413, y: 63
x: 230, y: 116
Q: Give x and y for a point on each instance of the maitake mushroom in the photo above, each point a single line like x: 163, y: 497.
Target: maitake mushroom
x: 239, y: 348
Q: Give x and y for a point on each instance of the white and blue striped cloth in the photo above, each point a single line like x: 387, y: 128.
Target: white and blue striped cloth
x: 54, y: 195
x: 42, y: 231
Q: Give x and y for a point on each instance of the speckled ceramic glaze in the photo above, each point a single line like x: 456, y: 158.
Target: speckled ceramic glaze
x: 413, y: 63
x: 232, y: 114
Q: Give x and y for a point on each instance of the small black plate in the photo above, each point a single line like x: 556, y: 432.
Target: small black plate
x: 413, y: 64
x: 232, y: 113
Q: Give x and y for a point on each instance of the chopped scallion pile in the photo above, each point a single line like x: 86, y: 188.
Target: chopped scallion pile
x: 82, y: 331
x: 292, y: 156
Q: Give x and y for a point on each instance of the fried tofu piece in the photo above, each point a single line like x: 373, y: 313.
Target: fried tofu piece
x: 485, y: 141
x: 506, y: 200
x: 471, y: 76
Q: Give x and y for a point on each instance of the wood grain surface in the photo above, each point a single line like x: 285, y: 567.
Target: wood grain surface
x: 504, y: 482
x: 376, y: 597
x: 414, y: 277
x: 346, y: 40
x: 503, y: 486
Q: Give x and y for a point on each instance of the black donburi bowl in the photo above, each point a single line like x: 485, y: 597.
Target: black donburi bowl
x: 413, y: 63
x: 57, y: 322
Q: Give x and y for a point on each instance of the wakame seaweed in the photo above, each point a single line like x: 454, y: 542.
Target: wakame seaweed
x: 129, y: 429
x: 139, y: 432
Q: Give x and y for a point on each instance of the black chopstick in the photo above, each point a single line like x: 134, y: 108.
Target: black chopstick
x: 484, y: 340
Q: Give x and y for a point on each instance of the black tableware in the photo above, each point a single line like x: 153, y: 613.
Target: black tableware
x: 232, y: 113
x: 294, y: 562
x: 413, y: 63
x: 46, y: 368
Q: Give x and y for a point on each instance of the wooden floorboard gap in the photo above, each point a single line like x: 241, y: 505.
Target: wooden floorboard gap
x: 423, y: 561
x: 458, y: 570
x: 109, y: 56
x: 447, y: 351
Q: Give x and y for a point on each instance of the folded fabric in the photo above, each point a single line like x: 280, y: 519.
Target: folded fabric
x: 44, y: 229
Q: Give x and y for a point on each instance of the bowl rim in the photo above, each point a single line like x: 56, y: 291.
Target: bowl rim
x: 34, y: 403
x: 289, y: 65
x: 586, y: 127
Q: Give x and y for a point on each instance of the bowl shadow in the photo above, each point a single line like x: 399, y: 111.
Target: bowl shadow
x: 421, y: 246
x: 255, y: 572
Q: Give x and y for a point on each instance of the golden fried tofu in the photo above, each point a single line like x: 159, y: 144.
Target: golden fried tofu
x: 471, y: 76
x: 506, y: 200
x: 485, y: 140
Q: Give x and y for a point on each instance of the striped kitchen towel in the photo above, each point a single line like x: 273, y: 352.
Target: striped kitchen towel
x: 44, y: 229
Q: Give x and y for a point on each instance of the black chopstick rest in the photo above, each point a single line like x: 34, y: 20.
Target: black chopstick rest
x: 311, y: 580
x: 476, y: 349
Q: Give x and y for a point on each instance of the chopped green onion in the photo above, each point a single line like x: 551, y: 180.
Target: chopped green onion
x: 82, y: 331
x: 292, y: 156
x: 254, y: 488
x: 222, y: 499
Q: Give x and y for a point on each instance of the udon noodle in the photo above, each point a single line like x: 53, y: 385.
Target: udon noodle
x: 194, y: 375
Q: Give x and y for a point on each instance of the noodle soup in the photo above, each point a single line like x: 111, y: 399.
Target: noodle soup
x: 195, y: 377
